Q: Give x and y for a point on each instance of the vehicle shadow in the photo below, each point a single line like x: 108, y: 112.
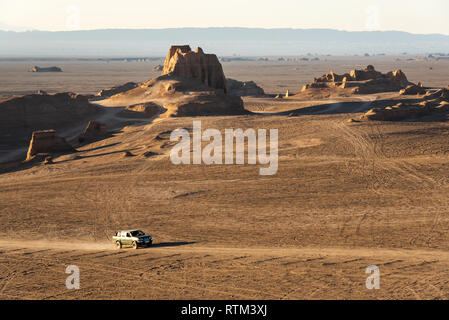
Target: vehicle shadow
x: 171, y: 244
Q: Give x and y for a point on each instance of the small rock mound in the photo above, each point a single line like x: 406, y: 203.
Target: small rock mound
x: 93, y: 130
x: 440, y: 94
x: 106, y: 93
x: 150, y: 154
x: 142, y: 110
x: 244, y: 88
x: 413, y: 89
x: 48, y: 160
x: 46, y: 142
x: 49, y: 69
x: 128, y: 154
x: 44, y: 158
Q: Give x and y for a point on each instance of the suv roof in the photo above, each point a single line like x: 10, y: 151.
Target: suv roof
x: 129, y: 230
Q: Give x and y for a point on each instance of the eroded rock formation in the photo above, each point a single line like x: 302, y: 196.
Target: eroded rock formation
x: 191, y: 84
x: 105, y: 93
x: 413, y: 89
x: 361, y: 81
x: 20, y: 116
x: 244, y: 88
x: 437, y: 95
x: 93, y: 130
x: 142, y: 110
x: 46, y: 142
x: 181, y: 61
x: 433, y: 103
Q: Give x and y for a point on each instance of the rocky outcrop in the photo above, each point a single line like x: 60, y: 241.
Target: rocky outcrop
x: 413, y: 89
x: 44, y: 110
x: 105, y: 93
x: 179, y: 97
x: 93, y: 130
x: 182, y: 62
x: 47, y: 142
x: 191, y: 84
x: 400, y: 111
x: 363, y: 75
x: 44, y: 158
x: 437, y: 95
x: 21, y: 115
x: 142, y: 110
x: 48, y: 69
x: 361, y: 81
x: 158, y: 68
x: 244, y: 88
x: 207, y: 104
x: 436, y: 102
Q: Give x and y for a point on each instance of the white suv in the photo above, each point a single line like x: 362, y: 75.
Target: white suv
x: 132, y: 238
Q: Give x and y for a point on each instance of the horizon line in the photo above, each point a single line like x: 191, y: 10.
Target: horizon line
x: 234, y: 27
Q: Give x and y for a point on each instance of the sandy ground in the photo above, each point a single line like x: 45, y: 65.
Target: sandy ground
x: 346, y: 196
x: 89, y: 77
x: 177, y: 271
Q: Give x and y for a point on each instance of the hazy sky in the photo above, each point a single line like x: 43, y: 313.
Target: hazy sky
x: 414, y: 16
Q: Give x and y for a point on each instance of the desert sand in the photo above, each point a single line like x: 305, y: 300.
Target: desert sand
x: 347, y: 195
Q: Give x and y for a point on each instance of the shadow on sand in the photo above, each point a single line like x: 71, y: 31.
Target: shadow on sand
x: 171, y: 244
x: 341, y: 107
x: 16, y: 166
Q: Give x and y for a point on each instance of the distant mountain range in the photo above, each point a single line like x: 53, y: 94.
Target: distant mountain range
x: 222, y: 41
x: 7, y: 27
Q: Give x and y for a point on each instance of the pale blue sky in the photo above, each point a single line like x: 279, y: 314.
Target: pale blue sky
x: 414, y: 16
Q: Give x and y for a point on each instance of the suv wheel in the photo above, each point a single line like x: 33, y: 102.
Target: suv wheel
x: 118, y: 244
x: 134, y: 245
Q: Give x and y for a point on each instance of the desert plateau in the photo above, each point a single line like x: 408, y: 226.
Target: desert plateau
x: 224, y: 159
x: 362, y: 180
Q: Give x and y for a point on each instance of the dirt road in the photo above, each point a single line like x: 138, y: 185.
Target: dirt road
x: 191, y: 271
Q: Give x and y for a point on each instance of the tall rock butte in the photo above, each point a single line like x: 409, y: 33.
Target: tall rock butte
x: 192, y: 84
x: 181, y: 61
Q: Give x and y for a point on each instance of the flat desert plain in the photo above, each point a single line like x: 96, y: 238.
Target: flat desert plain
x: 347, y: 195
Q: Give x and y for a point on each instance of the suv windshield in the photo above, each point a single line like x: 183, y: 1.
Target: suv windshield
x: 137, y: 233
